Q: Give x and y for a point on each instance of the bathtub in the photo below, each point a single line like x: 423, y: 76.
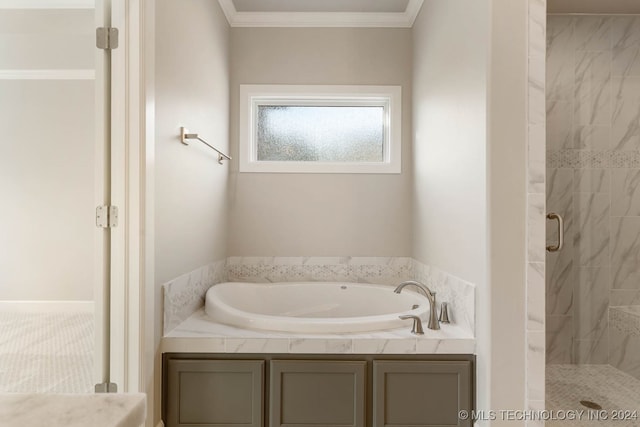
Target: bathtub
x: 313, y: 307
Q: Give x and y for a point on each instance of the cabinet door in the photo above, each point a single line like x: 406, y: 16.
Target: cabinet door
x: 415, y: 393
x: 317, y: 393
x: 220, y: 393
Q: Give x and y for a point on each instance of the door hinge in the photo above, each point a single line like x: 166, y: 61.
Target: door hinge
x: 107, y: 216
x: 106, y: 38
x: 106, y: 388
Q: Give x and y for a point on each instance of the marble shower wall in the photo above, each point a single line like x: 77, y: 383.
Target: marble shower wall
x: 535, y: 267
x: 593, y: 179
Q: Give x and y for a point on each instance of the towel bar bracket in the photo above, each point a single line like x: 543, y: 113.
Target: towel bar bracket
x: 185, y: 136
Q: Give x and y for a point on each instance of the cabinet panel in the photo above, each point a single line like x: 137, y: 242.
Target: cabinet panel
x: 216, y: 393
x: 416, y: 393
x: 327, y: 393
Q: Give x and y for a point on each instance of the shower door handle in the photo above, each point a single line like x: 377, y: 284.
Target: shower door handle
x: 557, y: 247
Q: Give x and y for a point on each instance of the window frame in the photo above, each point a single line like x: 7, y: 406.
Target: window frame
x: 252, y: 96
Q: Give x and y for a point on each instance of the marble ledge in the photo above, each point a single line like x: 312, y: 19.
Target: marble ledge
x: 199, y: 334
x: 625, y: 319
x: 72, y: 410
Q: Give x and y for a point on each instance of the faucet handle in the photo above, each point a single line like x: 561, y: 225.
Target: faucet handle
x: 444, y: 313
x: 417, y: 323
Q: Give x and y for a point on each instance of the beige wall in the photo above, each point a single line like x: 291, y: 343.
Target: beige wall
x: 46, y: 184
x: 450, y: 145
x: 504, y: 303
x: 47, y: 159
x: 449, y: 154
x: 190, y: 188
x: 469, y: 172
x: 321, y: 214
x: 192, y: 87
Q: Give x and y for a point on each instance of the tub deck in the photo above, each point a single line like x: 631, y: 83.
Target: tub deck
x: 200, y: 334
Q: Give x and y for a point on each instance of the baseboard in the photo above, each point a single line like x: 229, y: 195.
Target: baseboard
x: 47, y: 306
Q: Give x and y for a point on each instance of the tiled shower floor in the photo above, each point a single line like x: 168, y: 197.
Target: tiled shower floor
x: 567, y: 385
x: 46, y: 352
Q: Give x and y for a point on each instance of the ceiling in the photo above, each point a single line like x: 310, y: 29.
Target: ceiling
x: 321, y: 5
x: 594, y: 6
x: 321, y: 13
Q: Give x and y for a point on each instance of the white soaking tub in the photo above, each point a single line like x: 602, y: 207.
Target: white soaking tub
x: 313, y: 307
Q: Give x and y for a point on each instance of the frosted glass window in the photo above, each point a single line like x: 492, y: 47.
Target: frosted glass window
x: 320, y: 133
x: 320, y: 129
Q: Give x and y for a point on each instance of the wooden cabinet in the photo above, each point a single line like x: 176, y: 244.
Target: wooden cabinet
x: 312, y: 391
x: 308, y: 393
x: 220, y: 393
x: 414, y: 393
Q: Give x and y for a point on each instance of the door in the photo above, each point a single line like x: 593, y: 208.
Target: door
x: 421, y: 393
x: 215, y: 393
x: 55, y: 169
x: 317, y: 392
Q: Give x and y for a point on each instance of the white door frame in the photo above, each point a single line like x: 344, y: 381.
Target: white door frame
x: 133, y: 349
x: 137, y: 131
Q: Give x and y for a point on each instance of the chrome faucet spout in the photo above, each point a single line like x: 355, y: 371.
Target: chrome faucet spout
x: 431, y: 296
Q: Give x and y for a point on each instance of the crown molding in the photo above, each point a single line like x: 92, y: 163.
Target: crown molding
x: 47, y: 4
x: 413, y: 8
x: 321, y: 19
x: 47, y: 74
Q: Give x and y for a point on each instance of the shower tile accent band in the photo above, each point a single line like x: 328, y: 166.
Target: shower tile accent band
x: 588, y: 159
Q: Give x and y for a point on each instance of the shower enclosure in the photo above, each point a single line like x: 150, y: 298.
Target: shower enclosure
x: 593, y: 181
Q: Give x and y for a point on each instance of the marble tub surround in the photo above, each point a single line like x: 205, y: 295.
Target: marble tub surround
x: 199, y: 334
x: 624, y: 340
x: 72, y: 410
x: 593, y: 171
x: 184, y: 295
x: 457, y: 293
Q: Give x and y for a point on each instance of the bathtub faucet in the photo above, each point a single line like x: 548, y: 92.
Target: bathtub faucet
x: 431, y: 296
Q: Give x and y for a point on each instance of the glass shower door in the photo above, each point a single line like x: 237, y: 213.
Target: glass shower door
x: 54, y: 172
x: 593, y: 180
